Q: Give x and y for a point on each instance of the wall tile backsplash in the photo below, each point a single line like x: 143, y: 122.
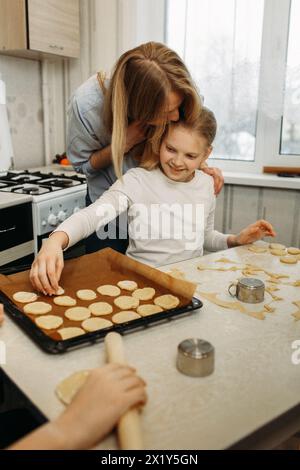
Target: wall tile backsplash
x: 24, y: 103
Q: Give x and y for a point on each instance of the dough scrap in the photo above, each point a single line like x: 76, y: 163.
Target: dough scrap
x: 257, y: 249
x: 288, y: 259
x: 274, y: 296
x: 128, y: 285
x: 125, y: 302
x: 125, y: 316
x: 226, y: 260
x: 86, y: 294
x: 64, y: 301
x: 100, y: 308
x: 277, y: 246
x: 213, y: 297
x: 147, y: 293
x: 107, y: 289
x: 49, y: 322
x: 25, y: 297
x: 293, y: 251
x: 67, y: 389
x: 77, y: 313
x: 94, y: 324
x: 167, y: 301
x: 148, y: 309
x: 70, y: 332
x: 37, y: 308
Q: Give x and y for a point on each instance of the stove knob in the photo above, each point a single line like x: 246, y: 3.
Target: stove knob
x: 44, y: 223
x: 52, y: 220
x: 61, y: 216
x: 76, y: 209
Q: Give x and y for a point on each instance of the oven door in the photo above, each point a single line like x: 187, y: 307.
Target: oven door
x: 16, y: 234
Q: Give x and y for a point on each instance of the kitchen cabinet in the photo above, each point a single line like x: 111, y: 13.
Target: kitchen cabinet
x: 37, y: 28
x: 242, y: 207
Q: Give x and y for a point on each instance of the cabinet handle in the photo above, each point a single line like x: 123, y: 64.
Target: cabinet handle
x: 54, y: 46
x: 8, y: 229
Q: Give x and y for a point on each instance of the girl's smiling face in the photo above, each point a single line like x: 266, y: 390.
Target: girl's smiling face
x: 182, y: 152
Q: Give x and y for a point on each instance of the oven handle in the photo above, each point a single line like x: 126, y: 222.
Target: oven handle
x: 8, y: 229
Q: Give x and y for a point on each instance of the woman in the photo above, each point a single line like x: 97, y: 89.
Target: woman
x: 109, y: 119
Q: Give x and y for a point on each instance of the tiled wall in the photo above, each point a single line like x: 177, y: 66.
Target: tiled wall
x: 24, y: 103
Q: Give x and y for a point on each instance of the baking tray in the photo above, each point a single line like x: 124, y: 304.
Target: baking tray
x: 89, y: 271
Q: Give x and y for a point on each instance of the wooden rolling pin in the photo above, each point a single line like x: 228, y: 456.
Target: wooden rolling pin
x: 129, y: 426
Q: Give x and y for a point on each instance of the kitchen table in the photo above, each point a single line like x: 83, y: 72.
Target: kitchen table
x: 251, y: 400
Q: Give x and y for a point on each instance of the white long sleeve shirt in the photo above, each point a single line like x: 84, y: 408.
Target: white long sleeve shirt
x: 168, y: 221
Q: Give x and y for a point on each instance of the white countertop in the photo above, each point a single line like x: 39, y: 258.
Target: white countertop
x: 253, y: 383
x: 13, y: 199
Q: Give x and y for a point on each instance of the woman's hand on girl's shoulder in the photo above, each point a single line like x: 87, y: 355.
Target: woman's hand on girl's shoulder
x: 217, y: 175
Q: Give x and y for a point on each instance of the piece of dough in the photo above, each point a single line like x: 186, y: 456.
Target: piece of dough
x: 167, y: 301
x: 64, y: 301
x: 226, y: 260
x: 293, y: 251
x: 67, y: 389
x: 107, y: 289
x: 37, y: 308
x: 125, y: 316
x: 213, y: 297
x: 94, y: 324
x: 274, y: 296
x: 100, y: 308
x: 289, y: 259
x: 257, y: 249
x: 125, y: 302
x: 128, y: 285
x: 60, y: 291
x: 147, y: 293
x: 148, y: 309
x: 25, y: 297
x: 278, y: 252
x: 70, y: 332
x: 277, y: 246
x: 49, y: 322
x: 77, y: 313
x: 86, y: 294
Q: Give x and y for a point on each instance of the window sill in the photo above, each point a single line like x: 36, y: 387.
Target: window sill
x: 263, y: 180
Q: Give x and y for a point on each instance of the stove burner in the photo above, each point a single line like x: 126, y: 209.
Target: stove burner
x: 63, y: 183
x: 31, y: 190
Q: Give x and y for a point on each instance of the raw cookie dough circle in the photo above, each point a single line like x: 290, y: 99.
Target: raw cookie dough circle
x: 49, y: 322
x: 64, y: 301
x: 144, y: 294
x: 67, y: 389
x: 70, y: 332
x: 100, y: 308
x: 107, y: 289
x: 257, y: 249
x: 130, y: 285
x: 60, y: 291
x: 278, y: 252
x: 167, y: 301
x: 289, y: 259
x: 277, y: 246
x: 94, y: 324
x: 293, y: 251
x: 37, y: 308
x: 125, y: 302
x: 86, y: 294
x: 125, y: 316
x: 77, y: 313
x: 148, y: 309
x: 25, y: 297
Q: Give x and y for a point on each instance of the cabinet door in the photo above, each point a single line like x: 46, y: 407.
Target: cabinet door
x: 220, y: 209
x: 54, y: 26
x: 242, y: 207
x: 281, y: 208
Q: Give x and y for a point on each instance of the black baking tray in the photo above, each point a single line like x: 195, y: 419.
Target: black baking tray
x: 52, y: 346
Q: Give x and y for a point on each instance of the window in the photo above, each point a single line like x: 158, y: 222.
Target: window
x: 242, y: 55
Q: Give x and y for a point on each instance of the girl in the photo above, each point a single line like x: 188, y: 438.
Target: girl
x: 150, y: 86
x: 170, y: 205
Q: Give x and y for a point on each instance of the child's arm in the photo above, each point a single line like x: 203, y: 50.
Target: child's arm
x: 252, y: 233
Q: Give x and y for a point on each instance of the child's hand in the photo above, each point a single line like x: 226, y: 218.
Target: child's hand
x: 48, y: 265
x: 252, y: 233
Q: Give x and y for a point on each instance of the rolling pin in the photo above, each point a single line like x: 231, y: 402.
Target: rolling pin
x: 129, y: 426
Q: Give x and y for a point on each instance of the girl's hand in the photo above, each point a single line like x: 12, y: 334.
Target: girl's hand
x: 48, y: 265
x: 252, y: 233
x: 106, y: 395
x: 136, y: 133
x: 218, y: 177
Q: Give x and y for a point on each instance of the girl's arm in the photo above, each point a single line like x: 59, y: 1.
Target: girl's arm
x: 252, y: 233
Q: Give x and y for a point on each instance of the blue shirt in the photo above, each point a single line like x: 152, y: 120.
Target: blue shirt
x: 87, y: 134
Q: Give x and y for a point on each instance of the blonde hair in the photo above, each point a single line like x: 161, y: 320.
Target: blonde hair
x: 138, y: 91
x: 205, y: 125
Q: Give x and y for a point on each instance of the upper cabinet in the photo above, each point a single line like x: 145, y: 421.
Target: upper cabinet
x: 37, y: 28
